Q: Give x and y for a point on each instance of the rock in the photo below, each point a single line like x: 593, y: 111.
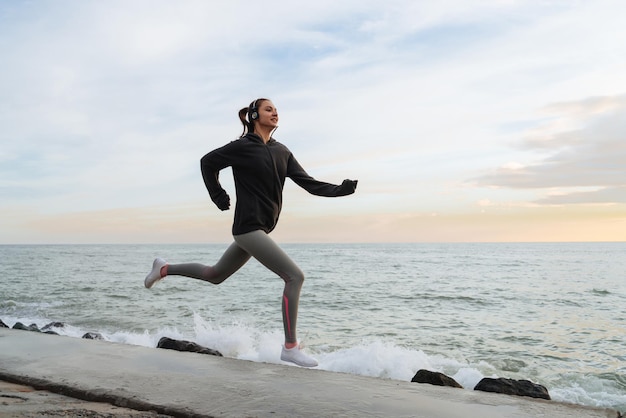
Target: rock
x: 182, y: 345
x: 47, y: 329
x: 31, y: 327
x: 93, y: 336
x: 3, y: 325
x: 435, y: 378
x: 53, y: 325
x: 19, y: 325
x: 513, y: 387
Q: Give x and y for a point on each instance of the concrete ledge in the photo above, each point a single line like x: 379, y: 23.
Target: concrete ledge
x: 21, y: 401
x: 196, y: 385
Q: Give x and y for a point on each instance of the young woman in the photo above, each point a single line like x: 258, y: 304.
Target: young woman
x: 260, y: 165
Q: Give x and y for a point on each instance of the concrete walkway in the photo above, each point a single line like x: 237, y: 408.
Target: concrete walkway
x: 21, y: 401
x: 196, y: 385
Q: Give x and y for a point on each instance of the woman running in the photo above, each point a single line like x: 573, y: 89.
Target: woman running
x: 260, y: 165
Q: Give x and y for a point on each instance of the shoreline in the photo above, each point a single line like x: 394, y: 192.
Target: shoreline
x: 194, y: 385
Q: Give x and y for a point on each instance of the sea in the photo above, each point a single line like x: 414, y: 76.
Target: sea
x: 551, y: 313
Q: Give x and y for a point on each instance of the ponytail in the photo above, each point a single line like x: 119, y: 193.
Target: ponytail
x: 247, y: 126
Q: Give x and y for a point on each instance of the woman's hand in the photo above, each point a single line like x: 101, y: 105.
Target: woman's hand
x: 347, y: 187
x: 222, y: 201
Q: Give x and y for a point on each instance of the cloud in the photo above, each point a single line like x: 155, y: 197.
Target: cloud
x: 109, y: 106
x: 600, y: 196
x: 591, y: 156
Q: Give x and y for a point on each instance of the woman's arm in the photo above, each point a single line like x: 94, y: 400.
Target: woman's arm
x: 315, y: 187
x: 210, y: 166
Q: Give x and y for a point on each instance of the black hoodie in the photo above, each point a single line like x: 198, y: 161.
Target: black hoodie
x: 259, y: 171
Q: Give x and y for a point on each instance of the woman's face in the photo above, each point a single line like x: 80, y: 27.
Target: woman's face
x: 268, y: 114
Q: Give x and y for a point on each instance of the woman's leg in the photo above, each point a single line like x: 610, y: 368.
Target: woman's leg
x: 231, y: 261
x: 260, y: 246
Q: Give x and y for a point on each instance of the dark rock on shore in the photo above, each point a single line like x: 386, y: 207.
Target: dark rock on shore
x: 93, y: 336
x: 513, y: 387
x: 47, y: 329
x: 182, y: 345
x: 499, y: 385
x: 435, y: 378
x: 53, y: 325
x: 31, y: 327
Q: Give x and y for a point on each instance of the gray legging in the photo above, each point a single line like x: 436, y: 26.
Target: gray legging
x: 259, y: 245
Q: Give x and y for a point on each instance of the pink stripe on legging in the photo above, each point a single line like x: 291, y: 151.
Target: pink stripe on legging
x: 286, y: 302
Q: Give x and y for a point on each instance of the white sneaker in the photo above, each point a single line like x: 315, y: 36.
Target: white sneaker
x: 155, y: 274
x: 295, y: 355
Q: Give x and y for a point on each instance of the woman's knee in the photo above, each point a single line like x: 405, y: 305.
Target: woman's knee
x: 217, y: 280
x: 295, y: 278
x: 212, y: 275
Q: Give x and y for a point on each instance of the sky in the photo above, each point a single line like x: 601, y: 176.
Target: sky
x: 463, y: 120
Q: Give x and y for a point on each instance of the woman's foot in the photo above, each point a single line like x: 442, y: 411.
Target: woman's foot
x: 155, y: 274
x: 295, y: 355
